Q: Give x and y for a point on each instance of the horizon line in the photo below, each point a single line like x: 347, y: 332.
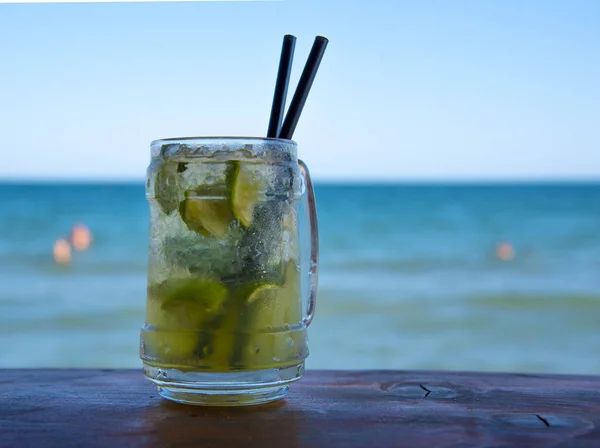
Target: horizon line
x: 327, y: 181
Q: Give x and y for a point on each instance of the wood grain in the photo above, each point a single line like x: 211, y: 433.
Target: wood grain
x: 115, y: 408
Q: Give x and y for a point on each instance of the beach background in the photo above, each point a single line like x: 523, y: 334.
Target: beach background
x: 411, y: 277
x: 454, y: 148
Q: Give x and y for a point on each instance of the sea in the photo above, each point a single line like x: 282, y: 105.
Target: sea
x: 411, y: 276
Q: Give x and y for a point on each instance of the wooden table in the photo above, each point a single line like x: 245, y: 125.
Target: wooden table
x: 114, y: 408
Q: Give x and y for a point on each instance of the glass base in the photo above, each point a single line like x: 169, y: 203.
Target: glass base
x: 223, y: 389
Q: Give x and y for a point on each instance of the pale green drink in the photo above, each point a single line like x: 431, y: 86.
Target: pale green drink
x: 224, y: 281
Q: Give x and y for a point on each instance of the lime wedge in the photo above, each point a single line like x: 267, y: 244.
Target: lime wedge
x: 207, y: 216
x: 260, y: 313
x: 178, y: 310
x: 265, y: 295
x: 275, y: 305
x: 267, y: 307
x: 246, y: 191
x: 208, y: 295
x: 184, y: 304
x: 222, y: 342
x: 270, y: 313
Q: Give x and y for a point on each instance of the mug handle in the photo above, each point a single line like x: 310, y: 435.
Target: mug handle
x: 313, y: 270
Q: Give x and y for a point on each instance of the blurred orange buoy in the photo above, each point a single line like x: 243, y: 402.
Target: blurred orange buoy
x: 505, y: 251
x: 81, y: 237
x: 61, y: 251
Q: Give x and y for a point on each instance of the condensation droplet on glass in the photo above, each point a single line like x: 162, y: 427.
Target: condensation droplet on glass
x: 210, y: 180
x: 256, y: 349
x: 290, y: 342
x: 276, y: 358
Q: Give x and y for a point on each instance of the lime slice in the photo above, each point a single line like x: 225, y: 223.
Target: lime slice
x: 271, y: 312
x: 265, y: 294
x: 246, y: 191
x: 184, y: 304
x: 273, y: 305
x: 292, y: 294
x: 259, y: 315
x: 208, y: 295
x: 178, y: 310
x: 207, y: 216
x: 222, y: 342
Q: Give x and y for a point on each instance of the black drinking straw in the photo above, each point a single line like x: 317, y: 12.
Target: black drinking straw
x: 281, y: 85
x: 302, y: 90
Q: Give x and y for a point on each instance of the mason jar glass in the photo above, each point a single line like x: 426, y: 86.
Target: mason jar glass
x: 226, y: 310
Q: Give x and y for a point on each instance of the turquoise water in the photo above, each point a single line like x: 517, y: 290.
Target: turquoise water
x: 409, y: 277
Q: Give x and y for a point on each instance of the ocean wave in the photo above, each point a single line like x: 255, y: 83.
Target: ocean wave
x: 362, y: 301
x: 45, y: 264
x: 118, y: 317
x: 418, y: 265
x: 538, y: 301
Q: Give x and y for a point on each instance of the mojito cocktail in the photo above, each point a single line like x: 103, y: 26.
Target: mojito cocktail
x: 224, y: 316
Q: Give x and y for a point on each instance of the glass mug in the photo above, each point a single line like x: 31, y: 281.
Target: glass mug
x: 226, y: 313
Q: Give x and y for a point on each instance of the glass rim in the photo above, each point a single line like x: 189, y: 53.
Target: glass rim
x: 216, y: 139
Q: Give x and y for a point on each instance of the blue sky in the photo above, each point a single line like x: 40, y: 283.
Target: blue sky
x: 407, y: 90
